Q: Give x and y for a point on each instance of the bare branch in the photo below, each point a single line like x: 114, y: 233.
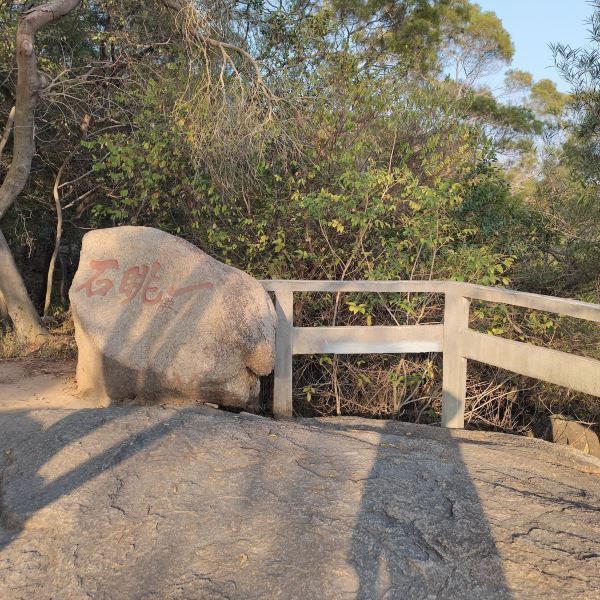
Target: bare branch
x: 7, y: 129
x: 59, y: 220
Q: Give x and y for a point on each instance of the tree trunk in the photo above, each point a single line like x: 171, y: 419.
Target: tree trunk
x: 22, y: 313
x: 19, y: 305
x: 3, y: 315
x: 59, y: 221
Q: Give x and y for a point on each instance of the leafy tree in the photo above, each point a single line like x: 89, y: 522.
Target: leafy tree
x: 547, y: 99
x: 476, y: 43
x: 581, y: 69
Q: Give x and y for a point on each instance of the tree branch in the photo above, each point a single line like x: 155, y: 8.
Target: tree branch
x: 21, y: 310
x: 182, y: 5
x: 28, y: 87
x: 7, y: 129
x: 59, y: 220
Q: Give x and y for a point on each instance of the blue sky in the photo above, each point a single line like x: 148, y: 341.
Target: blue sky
x: 533, y: 24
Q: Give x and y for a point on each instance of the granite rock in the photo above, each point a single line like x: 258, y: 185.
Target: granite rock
x: 159, y: 321
x: 128, y: 503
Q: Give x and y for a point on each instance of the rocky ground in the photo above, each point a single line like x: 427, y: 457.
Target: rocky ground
x: 196, y: 503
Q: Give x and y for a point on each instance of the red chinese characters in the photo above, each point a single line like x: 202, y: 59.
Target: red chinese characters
x: 139, y: 278
x: 189, y: 288
x: 132, y: 281
x: 136, y: 281
x: 95, y: 286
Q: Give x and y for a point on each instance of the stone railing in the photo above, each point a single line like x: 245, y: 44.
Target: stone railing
x: 453, y: 338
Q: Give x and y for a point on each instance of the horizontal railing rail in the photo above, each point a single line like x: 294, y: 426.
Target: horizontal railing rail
x: 454, y: 339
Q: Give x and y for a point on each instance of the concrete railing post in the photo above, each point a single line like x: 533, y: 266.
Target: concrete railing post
x: 454, y: 380
x: 282, y: 387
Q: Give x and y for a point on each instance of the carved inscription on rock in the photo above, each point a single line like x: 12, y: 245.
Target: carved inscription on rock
x: 141, y: 282
x: 158, y: 320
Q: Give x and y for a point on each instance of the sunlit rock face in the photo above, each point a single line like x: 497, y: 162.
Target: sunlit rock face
x: 194, y: 503
x: 157, y: 320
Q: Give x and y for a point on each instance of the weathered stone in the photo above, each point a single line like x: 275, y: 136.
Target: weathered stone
x: 129, y: 503
x: 572, y: 433
x: 157, y: 320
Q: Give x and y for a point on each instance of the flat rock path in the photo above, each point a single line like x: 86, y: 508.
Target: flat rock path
x: 196, y: 503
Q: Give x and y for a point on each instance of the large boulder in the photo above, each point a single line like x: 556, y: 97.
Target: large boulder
x: 159, y: 321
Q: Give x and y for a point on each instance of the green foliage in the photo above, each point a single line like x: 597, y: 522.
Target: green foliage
x: 516, y: 119
x: 580, y: 68
x: 406, y: 32
x: 476, y: 42
x: 516, y: 79
x: 547, y: 98
x: 380, y: 204
x: 486, y: 28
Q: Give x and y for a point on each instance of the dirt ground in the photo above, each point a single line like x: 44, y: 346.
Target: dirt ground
x: 41, y: 383
x: 37, y: 383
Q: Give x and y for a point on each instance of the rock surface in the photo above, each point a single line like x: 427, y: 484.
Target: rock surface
x: 195, y: 503
x: 158, y: 320
x: 572, y: 433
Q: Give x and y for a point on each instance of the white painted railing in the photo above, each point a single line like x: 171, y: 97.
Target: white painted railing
x: 454, y: 339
